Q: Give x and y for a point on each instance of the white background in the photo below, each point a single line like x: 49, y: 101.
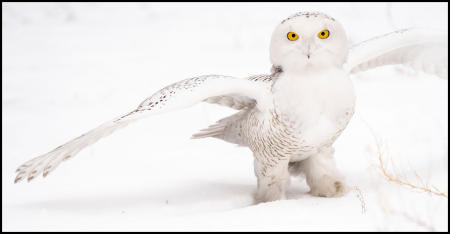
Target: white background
x: 69, y: 67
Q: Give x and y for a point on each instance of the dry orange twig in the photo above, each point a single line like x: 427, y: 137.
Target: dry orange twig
x: 423, y: 187
x: 432, y: 190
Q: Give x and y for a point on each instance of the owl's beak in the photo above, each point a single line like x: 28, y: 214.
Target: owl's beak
x: 308, y: 52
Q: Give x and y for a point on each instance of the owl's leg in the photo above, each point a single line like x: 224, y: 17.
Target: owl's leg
x: 321, y: 174
x: 273, y: 179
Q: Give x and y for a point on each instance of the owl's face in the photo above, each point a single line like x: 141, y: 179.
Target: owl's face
x: 308, y: 39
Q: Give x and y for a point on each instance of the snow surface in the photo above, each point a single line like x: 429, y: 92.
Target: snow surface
x: 69, y: 67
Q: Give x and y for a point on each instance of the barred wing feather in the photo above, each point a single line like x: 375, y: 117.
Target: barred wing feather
x: 176, y: 96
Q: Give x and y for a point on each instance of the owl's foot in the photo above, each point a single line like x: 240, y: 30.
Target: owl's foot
x: 270, y: 192
x: 272, y: 182
x: 327, y: 186
x: 322, y: 176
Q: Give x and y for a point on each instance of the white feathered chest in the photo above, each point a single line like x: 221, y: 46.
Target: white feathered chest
x: 309, y: 112
x: 316, y: 105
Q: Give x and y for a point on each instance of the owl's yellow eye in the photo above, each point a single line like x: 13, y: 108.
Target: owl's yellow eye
x: 292, y: 36
x: 324, y: 34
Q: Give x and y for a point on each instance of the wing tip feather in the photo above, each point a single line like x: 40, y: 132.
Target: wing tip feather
x: 17, y: 179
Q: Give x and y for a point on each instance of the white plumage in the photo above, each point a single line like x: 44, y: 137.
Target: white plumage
x: 290, y: 118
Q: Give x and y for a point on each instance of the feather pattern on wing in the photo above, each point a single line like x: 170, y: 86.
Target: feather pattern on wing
x: 176, y: 96
x: 421, y: 49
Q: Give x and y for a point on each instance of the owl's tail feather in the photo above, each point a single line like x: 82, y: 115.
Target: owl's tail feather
x: 49, y: 161
x: 215, y: 130
x: 227, y: 129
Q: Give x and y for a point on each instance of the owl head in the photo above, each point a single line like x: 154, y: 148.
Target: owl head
x: 308, y: 39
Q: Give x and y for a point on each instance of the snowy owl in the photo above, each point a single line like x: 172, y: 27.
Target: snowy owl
x: 291, y: 117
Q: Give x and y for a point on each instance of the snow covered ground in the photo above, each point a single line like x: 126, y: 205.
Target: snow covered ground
x: 69, y: 67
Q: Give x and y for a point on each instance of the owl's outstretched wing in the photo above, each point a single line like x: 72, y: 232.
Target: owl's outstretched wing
x: 176, y: 96
x: 421, y: 49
